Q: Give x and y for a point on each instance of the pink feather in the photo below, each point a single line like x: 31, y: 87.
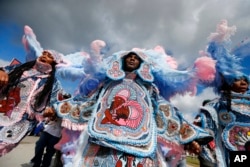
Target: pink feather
x: 170, y: 60
x: 205, y: 68
x: 223, y: 32
x: 97, y: 45
x: 28, y: 32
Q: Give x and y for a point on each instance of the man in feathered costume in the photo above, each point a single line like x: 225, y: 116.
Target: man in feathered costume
x: 26, y: 90
x: 227, y: 117
x: 121, y: 112
x: 125, y: 115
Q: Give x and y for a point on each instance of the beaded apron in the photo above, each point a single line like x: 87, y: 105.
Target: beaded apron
x: 123, y: 119
x: 237, y: 123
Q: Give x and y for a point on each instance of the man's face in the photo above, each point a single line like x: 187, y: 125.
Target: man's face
x: 132, y: 62
x: 240, y: 86
x: 46, y: 57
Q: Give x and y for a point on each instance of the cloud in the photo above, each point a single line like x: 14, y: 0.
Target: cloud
x: 189, y: 105
x: 181, y: 27
x: 3, y: 63
x: 178, y: 25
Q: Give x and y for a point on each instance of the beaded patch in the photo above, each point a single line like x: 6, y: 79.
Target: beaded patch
x: 167, y: 122
x: 190, y: 132
x: 145, y: 72
x: 75, y: 113
x: 240, y: 103
x: 236, y: 135
x: 123, y: 116
x: 225, y: 117
x: 15, y: 113
x: 170, y: 123
x: 8, y: 103
x: 241, y: 106
x: 115, y: 72
x: 14, y: 133
x: 95, y: 155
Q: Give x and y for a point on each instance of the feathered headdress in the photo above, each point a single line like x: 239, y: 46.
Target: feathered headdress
x: 228, y: 62
x: 160, y: 69
x: 88, y: 66
x: 71, y: 66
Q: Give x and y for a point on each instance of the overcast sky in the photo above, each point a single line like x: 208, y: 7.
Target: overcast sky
x: 180, y: 26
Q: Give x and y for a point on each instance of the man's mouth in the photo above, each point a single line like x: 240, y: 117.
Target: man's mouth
x: 243, y: 88
x: 42, y: 59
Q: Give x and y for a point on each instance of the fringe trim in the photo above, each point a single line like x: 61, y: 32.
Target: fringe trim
x: 73, y: 126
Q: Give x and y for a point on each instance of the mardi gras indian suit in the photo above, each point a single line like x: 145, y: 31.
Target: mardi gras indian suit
x: 227, y: 117
x: 122, y: 118
x: 17, y: 107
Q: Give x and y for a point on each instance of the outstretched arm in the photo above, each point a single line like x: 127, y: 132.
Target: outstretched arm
x: 31, y: 45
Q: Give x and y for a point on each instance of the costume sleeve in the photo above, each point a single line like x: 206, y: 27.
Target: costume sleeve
x: 56, y: 88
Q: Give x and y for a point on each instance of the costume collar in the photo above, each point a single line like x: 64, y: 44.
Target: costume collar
x: 43, y: 67
x: 130, y: 75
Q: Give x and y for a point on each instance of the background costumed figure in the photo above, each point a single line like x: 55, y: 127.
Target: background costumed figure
x: 227, y: 117
x: 27, y: 89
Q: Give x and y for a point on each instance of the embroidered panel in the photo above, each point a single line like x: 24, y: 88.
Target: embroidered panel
x: 15, y: 105
x: 123, y: 115
x: 96, y: 155
x: 14, y: 133
x: 236, y: 136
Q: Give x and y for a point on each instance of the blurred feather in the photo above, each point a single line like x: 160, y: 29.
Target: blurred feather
x: 31, y: 45
x: 223, y: 32
x: 242, y: 49
x: 228, y: 62
x: 205, y: 67
x: 169, y: 59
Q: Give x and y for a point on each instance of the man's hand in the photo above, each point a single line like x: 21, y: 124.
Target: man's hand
x: 4, y: 78
x: 193, y: 147
x: 49, y: 112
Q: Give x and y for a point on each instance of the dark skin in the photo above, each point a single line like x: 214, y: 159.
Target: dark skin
x: 240, y: 85
x: 46, y: 57
x: 132, y: 62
